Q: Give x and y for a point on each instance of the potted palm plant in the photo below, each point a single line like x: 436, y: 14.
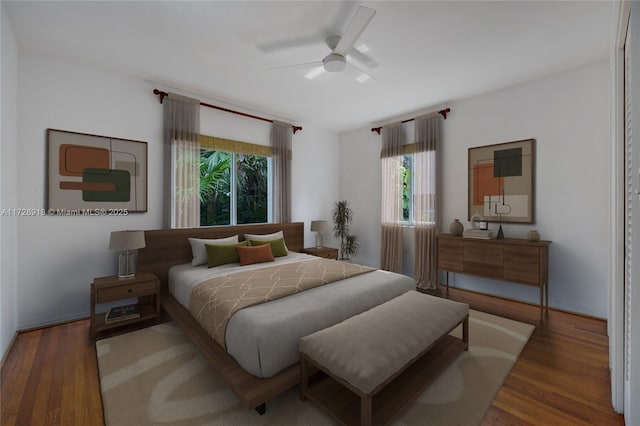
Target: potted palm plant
x: 342, y: 217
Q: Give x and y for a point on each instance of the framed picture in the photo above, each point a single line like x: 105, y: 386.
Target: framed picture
x: 90, y: 173
x: 501, y: 178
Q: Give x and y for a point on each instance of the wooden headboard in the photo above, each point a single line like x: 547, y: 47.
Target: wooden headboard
x: 169, y: 247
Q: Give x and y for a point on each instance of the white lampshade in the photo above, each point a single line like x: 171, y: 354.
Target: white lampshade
x: 126, y: 240
x: 319, y: 225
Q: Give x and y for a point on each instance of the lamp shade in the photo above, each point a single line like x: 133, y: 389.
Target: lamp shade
x: 319, y: 225
x: 126, y: 240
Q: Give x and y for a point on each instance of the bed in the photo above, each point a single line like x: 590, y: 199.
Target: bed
x: 261, y: 359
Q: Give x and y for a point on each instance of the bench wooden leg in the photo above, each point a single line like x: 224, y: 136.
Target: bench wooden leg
x: 304, y: 377
x: 366, y: 416
x: 465, y: 333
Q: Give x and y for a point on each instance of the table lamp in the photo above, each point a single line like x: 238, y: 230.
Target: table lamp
x: 127, y: 242
x: 319, y: 226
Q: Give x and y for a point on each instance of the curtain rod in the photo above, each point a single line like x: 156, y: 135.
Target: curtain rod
x: 443, y: 112
x: 164, y: 94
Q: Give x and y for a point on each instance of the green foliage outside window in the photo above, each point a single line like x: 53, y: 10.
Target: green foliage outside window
x: 407, y: 179
x: 216, y: 177
x: 252, y: 188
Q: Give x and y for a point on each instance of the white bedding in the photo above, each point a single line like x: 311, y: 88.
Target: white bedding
x: 264, y: 338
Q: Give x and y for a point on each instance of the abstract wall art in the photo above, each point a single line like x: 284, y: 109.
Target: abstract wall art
x: 501, y: 182
x: 95, y: 173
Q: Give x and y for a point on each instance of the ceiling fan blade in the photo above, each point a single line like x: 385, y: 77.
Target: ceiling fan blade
x: 359, y: 74
x: 299, y: 42
x: 357, y: 25
x: 363, y: 58
x: 299, y: 66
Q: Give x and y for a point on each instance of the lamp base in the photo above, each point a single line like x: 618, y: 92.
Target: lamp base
x: 127, y: 264
x: 318, y: 240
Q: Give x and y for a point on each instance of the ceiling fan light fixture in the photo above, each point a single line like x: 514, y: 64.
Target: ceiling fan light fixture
x: 363, y: 78
x: 334, y: 62
x: 362, y: 48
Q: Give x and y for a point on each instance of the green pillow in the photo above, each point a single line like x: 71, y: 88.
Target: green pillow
x: 277, y: 246
x: 221, y: 254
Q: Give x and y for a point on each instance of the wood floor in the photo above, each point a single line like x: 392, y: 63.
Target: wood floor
x: 50, y: 376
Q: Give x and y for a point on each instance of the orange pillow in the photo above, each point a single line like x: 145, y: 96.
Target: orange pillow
x: 255, y: 254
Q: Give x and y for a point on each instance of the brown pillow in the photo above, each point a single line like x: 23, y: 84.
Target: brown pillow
x: 258, y: 254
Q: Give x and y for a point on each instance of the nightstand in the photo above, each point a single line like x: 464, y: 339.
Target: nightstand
x: 326, y: 252
x: 145, y: 286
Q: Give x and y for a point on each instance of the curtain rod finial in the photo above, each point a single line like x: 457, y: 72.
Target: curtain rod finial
x: 296, y: 128
x: 376, y: 129
x: 161, y: 94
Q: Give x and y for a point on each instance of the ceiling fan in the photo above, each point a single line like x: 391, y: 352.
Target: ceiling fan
x: 341, y: 47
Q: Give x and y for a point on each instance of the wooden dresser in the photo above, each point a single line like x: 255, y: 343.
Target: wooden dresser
x: 514, y: 260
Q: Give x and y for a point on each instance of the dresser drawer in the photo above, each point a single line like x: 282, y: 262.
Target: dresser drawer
x: 480, y: 252
x: 125, y: 290
x: 450, y: 254
x: 522, y: 264
x: 327, y: 255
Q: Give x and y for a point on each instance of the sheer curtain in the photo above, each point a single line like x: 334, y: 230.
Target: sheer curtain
x: 425, y: 214
x: 182, y: 148
x: 281, y: 143
x: 391, y: 245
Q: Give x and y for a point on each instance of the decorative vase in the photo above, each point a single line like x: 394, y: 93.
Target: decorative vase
x: 533, y: 235
x: 456, y: 228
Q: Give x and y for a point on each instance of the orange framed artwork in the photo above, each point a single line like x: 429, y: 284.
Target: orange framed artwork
x: 99, y: 174
x: 501, y: 182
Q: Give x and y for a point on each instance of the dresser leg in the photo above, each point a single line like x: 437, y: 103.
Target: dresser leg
x: 446, y: 280
x: 541, y: 301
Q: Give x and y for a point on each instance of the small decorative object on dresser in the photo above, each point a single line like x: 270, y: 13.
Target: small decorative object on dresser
x: 145, y: 286
x: 326, y: 252
x: 533, y: 235
x: 456, y: 228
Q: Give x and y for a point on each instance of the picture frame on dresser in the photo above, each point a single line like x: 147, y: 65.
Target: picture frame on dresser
x: 501, y: 181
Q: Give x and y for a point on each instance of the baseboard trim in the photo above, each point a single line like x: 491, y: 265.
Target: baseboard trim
x: 8, y: 351
x: 53, y: 324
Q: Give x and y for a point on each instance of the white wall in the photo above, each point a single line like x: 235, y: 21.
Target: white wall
x: 8, y: 186
x: 58, y: 257
x: 567, y: 114
x: 360, y: 178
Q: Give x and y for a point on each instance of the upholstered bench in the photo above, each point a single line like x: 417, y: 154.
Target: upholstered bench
x: 374, y: 364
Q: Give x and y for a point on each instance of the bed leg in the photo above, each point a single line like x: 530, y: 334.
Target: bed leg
x: 262, y: 408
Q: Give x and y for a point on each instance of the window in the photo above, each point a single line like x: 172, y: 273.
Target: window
x: 235, y: 187
x: 409, y: 189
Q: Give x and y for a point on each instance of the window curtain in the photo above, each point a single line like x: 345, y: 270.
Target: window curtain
x: 281, y: 136
x: 182, y: 146
x: 391, y: 244
x: 425, y: 214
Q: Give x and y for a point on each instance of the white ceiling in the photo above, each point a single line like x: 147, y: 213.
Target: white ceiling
x: 428, y: 53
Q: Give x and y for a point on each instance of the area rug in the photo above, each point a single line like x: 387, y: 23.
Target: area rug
x: 155, y: 376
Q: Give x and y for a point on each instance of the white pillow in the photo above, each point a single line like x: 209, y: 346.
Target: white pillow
x: 199, y: 251
x: 265, y: 237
